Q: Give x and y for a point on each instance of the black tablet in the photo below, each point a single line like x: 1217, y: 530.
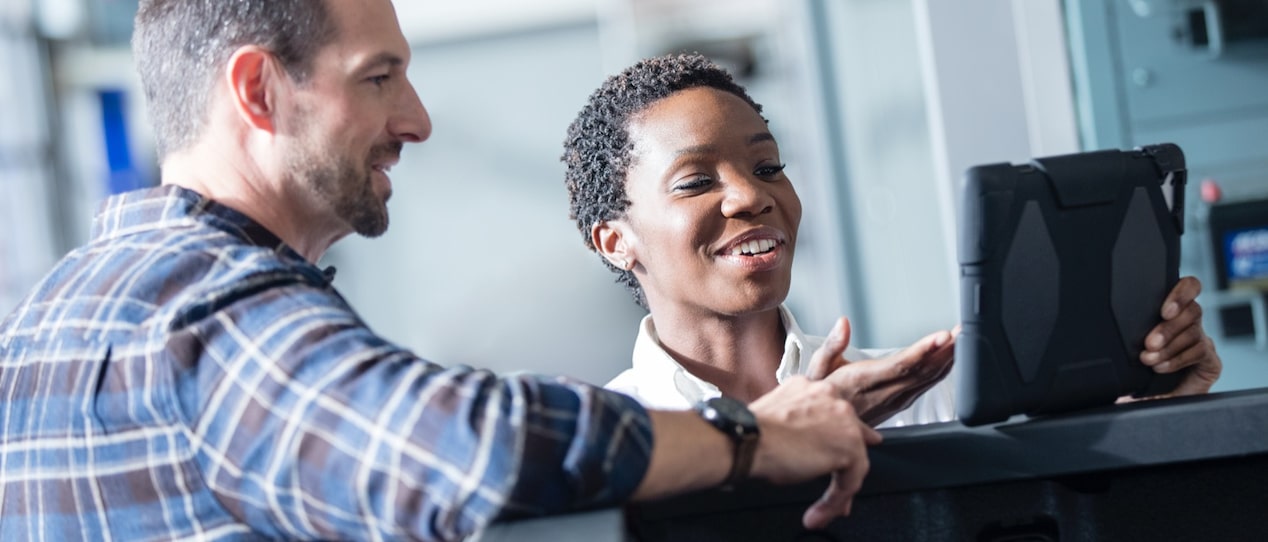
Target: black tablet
x: 1064, y: 265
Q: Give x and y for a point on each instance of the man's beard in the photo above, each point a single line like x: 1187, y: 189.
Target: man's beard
x: 345, y: 187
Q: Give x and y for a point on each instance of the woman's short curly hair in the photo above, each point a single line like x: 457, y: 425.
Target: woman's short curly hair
x: 597, y: 150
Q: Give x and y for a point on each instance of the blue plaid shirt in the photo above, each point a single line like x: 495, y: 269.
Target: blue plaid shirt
x: 187, y: 375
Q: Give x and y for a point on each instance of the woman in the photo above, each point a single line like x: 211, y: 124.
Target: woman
x: 676, y: 182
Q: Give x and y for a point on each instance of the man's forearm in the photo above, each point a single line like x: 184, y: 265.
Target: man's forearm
x: 687, y: 455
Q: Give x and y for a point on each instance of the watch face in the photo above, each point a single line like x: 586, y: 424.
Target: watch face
x: 733, y: 410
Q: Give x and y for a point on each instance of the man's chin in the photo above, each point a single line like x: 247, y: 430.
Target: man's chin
x: 369, y: 220
x: 373, y: 227
x: 372, y: 232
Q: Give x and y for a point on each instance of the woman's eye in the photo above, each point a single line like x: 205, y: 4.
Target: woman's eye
x: 694, y: 183
x: 770, y: 171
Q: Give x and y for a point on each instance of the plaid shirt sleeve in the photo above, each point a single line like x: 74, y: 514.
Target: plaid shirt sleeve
x: 306, y: 424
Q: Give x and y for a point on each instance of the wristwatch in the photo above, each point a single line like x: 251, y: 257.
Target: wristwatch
x: 735, y: 421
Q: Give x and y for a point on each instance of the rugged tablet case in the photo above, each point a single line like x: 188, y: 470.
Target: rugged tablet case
x: 1064, y: 265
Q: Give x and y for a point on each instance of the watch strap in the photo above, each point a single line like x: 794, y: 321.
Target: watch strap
x: 738, y: 424
x: 742, y: 461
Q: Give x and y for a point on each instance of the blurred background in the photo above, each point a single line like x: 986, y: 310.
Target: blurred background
x: 879, y: 107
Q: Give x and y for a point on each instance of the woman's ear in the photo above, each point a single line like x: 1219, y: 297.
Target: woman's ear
x: 613, y: 240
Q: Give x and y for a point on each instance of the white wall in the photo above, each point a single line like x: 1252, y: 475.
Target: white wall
x: 891, y: 199
x: 26, y: 221
x: 439, y: 22
x: 929, y: 88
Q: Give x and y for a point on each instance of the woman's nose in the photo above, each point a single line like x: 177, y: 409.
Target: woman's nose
x: 746, y: 195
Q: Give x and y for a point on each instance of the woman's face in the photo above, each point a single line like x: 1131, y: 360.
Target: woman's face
x: 713, y: 219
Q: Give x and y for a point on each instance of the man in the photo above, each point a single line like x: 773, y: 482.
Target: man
x: 189, y: 373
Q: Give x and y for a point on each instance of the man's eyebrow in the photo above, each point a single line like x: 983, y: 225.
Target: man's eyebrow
x: 382, y: 59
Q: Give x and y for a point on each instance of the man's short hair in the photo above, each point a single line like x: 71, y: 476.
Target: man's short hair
x: 181, y: 46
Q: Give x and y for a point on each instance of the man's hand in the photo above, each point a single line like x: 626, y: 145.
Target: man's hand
x: 808, y: 430
x: 880, y: 388
x: 1179, y: 341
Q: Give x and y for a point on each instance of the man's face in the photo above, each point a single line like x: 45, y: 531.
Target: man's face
x: 342, y: 183
x: 352, y: 116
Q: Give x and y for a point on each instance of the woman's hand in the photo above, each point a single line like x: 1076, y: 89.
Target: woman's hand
x: 1179, y: 342
x: 880, y: 388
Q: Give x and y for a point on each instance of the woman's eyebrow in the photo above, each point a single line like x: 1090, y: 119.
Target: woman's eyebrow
x: 760, y: 137
x: 694, y: 149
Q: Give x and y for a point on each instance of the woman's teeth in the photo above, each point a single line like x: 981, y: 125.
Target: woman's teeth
x: 759, y: 246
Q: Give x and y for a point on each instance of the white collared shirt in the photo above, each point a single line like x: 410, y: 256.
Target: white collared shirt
x: 660, y: 382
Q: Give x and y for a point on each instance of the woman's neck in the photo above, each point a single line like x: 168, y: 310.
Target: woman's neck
x: 738, y: 354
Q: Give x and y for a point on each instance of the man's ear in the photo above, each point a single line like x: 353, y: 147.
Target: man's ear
x: 613, y: 240
x: 255, y: 81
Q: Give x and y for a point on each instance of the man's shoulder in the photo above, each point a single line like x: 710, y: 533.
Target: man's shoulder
x: 172, y: 227
x: 199, y: 253
x: 218, y: 269
x: 116, y: 287
x: 176, y: 272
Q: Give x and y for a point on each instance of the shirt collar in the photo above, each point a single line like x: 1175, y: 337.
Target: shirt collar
x: 171, y: 206
x: 653, y: 364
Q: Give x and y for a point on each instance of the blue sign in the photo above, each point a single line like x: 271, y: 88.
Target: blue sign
x: 123, y: 174
x: 1246, y: 252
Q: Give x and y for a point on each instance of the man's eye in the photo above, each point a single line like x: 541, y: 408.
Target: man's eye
x: 379, y: 80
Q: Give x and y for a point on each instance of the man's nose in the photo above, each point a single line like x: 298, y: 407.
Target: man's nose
x: 410, y: 123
